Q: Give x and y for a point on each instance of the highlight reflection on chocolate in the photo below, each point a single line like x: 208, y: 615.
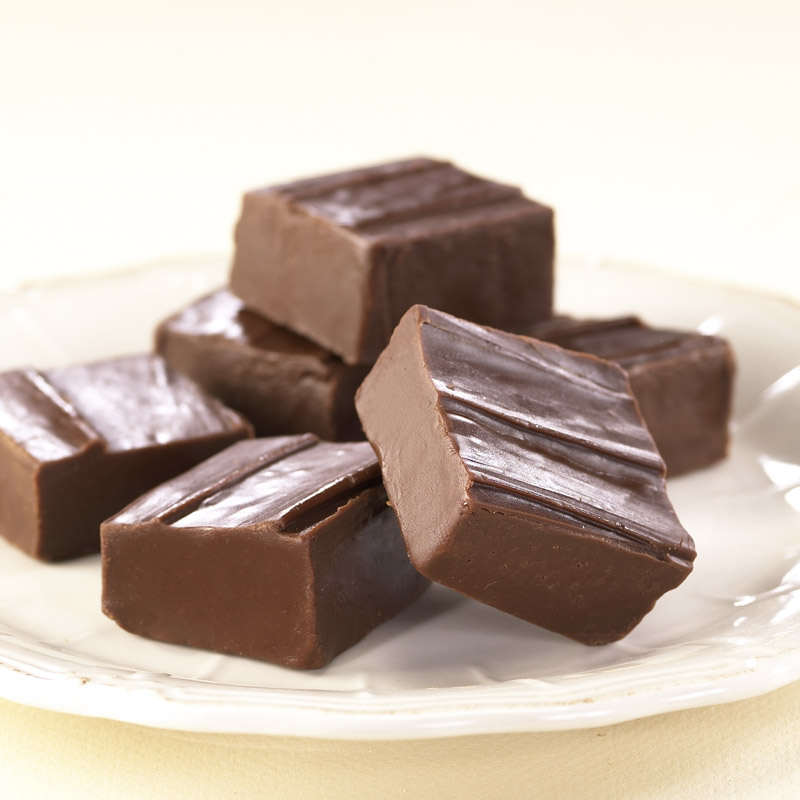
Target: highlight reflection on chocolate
x: 340, y: 258
x: 282, y: 549
x: 523, y: 475
x: 282, y: 382
x: 682, y: 380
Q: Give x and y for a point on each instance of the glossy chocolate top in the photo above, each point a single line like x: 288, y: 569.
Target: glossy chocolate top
x: 222, y: 314
x: 556, y: 431
x: 626, y: 340
x: 35, y: 416
x: 139, y: 401
x: 121, y: 404
x: 403, y: 198
x: 281, y: 481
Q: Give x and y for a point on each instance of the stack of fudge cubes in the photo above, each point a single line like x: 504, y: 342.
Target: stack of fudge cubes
x: 512, y: 455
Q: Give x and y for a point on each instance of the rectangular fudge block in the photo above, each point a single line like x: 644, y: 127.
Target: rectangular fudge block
x: 281, y: 549
x: 280, y: 381
x: 79, y: 443
x: 523, y: 475
x: 340, y: 258
x: 682, y: 380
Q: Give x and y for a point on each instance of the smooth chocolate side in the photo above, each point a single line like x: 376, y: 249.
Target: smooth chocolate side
x: 340, y: 258
x: 280, y: 549
x: 280, y: 381
x: 523, y: 475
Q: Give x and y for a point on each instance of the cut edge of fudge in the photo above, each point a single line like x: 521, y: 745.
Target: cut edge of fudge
x: 281, y: 549
x: 366, y: 225
x: 282, y: 382
x: 455, y: 511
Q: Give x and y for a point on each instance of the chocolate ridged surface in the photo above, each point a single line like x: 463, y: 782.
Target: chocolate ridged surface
x: 402, y: 195
x: 340, y: 258
x: 281, y: 548
x: 80, y: 442
x: 683, y: 381
x: 560, y: 429
x: 274, y: 481
x: 139, y: 401
x: 625, y: 340
x: 283, y: 383
x: 34, y: 416
x: 552, y: 490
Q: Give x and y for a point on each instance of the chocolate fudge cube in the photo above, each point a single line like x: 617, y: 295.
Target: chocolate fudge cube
x: 281, y: 549
x: 523, y: 476
x: 683, y: 381
x: 340, y: 258
x: 280, y: 381
x: 78, y: 443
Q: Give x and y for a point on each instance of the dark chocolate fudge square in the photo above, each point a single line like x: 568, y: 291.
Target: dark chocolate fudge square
x: 523, y: 475
x: 683, y: 381
x: 281, y: 549
x: 79, y: 443
x: 280, y: 381
x: 340, y: 258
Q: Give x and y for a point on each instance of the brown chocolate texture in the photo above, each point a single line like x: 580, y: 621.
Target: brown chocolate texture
x: 340, y: 258
x: 79, y: 443
x: 281, y: 549
x: 280, y: 381
x: 682, y: 380
x: 523, y: 475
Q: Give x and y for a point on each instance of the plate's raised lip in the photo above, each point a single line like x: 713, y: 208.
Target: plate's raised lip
x: 218, y: 260
x: 521, y: 705
x: 48, y: 680
x: 729, y: 285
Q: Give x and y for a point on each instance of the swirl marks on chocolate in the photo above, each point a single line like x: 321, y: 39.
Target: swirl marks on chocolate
x: 555, y: 428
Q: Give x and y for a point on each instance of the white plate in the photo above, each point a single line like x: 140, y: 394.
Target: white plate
x: 447, y: 665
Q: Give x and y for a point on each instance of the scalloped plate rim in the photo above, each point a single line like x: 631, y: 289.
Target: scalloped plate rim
x: 61, y: 684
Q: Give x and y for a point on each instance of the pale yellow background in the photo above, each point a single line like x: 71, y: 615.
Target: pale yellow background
x: 664, y: 134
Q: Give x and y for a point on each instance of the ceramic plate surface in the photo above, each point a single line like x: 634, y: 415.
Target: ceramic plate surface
x: 447, y: 665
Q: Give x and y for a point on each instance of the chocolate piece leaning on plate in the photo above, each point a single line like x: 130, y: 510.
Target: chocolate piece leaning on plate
x: 281, y: 549
x: 280, y: 381
x: 78, y: 443
x: 682, y: 380
x: 523, y: 475
x: 340, y: 258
